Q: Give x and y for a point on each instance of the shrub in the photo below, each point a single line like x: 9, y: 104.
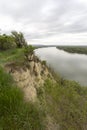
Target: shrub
x: 43, y: 62
x: 28, y: 50
x: 6, y: 42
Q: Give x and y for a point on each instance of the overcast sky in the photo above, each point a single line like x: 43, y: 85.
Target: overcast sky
x: 46, y: 21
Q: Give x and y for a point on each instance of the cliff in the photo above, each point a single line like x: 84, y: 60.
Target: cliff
x: 47, y: 103
x: 33, y: 97
x: 31, y: 75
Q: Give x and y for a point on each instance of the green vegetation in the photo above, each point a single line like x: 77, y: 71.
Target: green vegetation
x: 43, y: 62
x: 65, y: 102
x: 6, y: 42
x: 15, y: 40
x: 19, y: 39
x: 15, y: 113
x: 28, y: 50
x: 74, y: 49
x: 14, y: 48
x: 11, y: 55
x: 16, y: 55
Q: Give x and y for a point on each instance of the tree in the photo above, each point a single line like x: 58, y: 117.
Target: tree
x: 19, y: 39
x: 6, y: 42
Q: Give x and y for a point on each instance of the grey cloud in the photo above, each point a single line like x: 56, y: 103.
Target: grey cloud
x: 66, y: 16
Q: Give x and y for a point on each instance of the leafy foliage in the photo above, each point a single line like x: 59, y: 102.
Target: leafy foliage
x: 64, y: 101
x: 28, y: 50
x: 6, y: 42
x: 12, y: 41
x: 43, y: 62
x: 19, y: 39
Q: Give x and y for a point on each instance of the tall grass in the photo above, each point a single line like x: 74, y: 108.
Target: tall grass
x: 66, y: 103
x: 13, y: 55
x: 15, y: 113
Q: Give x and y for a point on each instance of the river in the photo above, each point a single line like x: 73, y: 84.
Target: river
x: 69, y: 66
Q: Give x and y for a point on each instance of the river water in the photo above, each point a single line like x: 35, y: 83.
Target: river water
x: 69, y: 66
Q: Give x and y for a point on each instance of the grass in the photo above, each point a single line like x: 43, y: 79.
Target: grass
x: 12, y: 55
x: 15, y: 113
x: 66, y: 103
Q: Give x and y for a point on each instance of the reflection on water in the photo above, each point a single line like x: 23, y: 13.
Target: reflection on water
x: 70, y: 66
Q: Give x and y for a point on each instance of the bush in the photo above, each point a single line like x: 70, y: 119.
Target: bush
x: 12, y: 41
x: 44, y: 62
x: 6, y: 42
x: 28, y: 50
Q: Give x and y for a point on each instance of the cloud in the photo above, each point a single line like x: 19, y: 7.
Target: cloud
x: 44, y: 19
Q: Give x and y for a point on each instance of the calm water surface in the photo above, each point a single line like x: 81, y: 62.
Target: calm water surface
x: 70, y: 66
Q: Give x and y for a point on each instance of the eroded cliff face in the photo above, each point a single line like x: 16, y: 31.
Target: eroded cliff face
x: 30, y: 76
